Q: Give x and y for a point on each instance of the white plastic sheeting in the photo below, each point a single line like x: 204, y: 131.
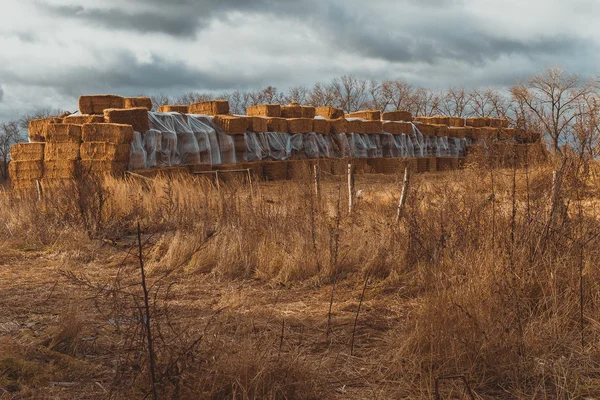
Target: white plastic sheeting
x: 187, y: 145
x: 208, y: 145
x: 166, y: 153
x: 137, y: 154
x: 418, y: 142
x: 297, y: 145
x: 224, y: 143
x: 279, y: 145
x: 151, y: 141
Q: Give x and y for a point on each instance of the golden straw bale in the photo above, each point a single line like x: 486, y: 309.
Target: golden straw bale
x: 321, y: 126
x: 25, y: 170
x: 96, y: 104
x: 60, y: 133
x: 103, y: 167
x: 60, y: 169
x: 329, y: 112
x: 441, y: 130
x: 104, y: 151
x: 179, y: 108
x: 456, y: 121
x: 397, y: 116
x: 258, y: 124
x: 424, y: 120
x: 300, y: 125
x: 457, y: 132
x: 136, y: 117
x: 110, y: 133
x: 431, y: 164
x: 277, y: 125
x: 498, y: 123
x: 67, y: 151
x: 488, y: 133
x: 231, y: 124
x: 355, y: 126
x: 291, y: 111
x: 440, y: 120
x: 372, y: 127
x: 339, y: 125
x: 421, y: 165
x: 136, y: 102
x: 395, y: 128
x: 426, y: 129
x: 308, y: 112
x: 477, y: 122
x: 215, y: 107
x: 27, y: 152
x: 507, y: 133
x: 275, y: 170
x: 36, y: 128
x: 264, y: 110
x: 387, y: 165
x: 369, y: 115
x: 82, y: 119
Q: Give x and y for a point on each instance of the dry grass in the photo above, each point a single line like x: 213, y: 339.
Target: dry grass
x: 478, y: 279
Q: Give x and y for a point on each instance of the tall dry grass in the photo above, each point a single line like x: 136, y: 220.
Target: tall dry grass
x: 492, y: 265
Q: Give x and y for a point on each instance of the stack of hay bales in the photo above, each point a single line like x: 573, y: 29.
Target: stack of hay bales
x: 397, y: 116
x: 264, y: 110
x: 173, y: 108
x: 96, y: 104
x: 82, y: 119
x: 105, y: 148
x: 136, y: 117
x: 61, y: 153
x: 137, y: 102
x: 215, y: 107
x: 329, y: 112
x: 37, y: 126
x: 293, y: 110
x: 368, y: 115
x: 27, y: 164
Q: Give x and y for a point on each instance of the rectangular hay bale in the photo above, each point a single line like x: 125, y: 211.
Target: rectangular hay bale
x: 96, y: 104
x: 82, y: 119
x: 231, y: 124
x: 277, y: 125
x: 308, y: 112
x: 300, y: 125
x: 36, y: 128
x: 27, y: 152
x: 456, y: 121
x: 214, y: 107
x: 329, y: 112
x: 355, y: 126
x: 264, y: 110
x: 258, y: 124
x: 25, y: 170
x: 60, y: 169
x: 339, y: 125
x: 372, y: 127
x: 68, y: 151
x: 61, y: 133
x: 426, y: 129
x: 102, y: 167
x: 136, y: 102
x: 291, y: 111
x: 103, y: 151
x: 105, y: 132
x: 136, y: 117
x: 321, y: 126
x: 478, y: 122
x: 397, y: 116
x: 368, y: 115
x: 179, y: 108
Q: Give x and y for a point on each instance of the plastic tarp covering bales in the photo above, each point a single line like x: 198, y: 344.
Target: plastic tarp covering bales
x: 418, y: 142
x: 311, y: 145
x: 253, y: 150
x: 151, y: 141
x: 341, y: 145
x: 224, y: 143
x: 165, y: 124
x: 297, y: 143
x: 137, y: 154
x: 442, y: 149
x: 390, y: 147
x: 279, y: 145
x: 208, y: 146
x: 359, y: 148
x: 325, y: 148
x: 187, y: 145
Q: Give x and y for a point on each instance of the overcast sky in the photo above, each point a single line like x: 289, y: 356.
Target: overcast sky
x: 52, y: 51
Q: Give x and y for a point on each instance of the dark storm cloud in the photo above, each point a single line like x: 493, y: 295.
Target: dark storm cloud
x: 179, y: 18
x: 1, y: 94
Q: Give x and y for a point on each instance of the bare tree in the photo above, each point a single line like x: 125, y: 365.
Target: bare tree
x: 455, y: 102
x: 426, y: 102
x: 554, y: 98
x: 297, y: 94
x: 23, y: 122
x: 397, y: 95
x: 350, y: 93
x: 586, y: 129
x: 321, y: 95
x: 9, y: 135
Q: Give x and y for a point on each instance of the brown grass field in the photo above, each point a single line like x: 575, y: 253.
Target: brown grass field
x: 488, y: 275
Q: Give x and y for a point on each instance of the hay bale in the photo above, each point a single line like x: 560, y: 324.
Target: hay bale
x: 498, y: 122
x: 488, y: 133
x: 62, y: 133
x: 25, y: 184
x: 369, y: 115
x: 457, y: 132
x: 109, y: 133
x: 398, y: 128
x: 478, y: 122
x: 36, y: 128
x: 329, y: 112
x: 507, y: 133
x: 60, y: 169
x: 27, y: 152
x: 308, y: 112
x: 300, y: 169
x: 256, y: 168
x: 321, y: 126
x: 264, y: 110
x: 456, y: 121
x: 339, y: 125
x: 292, y: 110
x: 25, y: 170
x: 136, y: 117
x: 423, y: 120
x: 277, y: 125
x: 103, y: 167
x: 300, y: 125
x: 103, y: 151
x: 355, y: 126
x: 372, y: 127
x: 440, y: 130
x: 138, y: 102
x: 231, y: 124
x: 67, y: 151
x: 258, y: 124
x: 215, y: 107
x: 179, y: 108
x: 275, y: 170
x: 82, y: 119
x: 386, y: 165
x: 96, y: 104
x: 426, y: 129
x: 397, y: 116
x: 447, y: 163
x: 421, y: 165
x: 431, y: 164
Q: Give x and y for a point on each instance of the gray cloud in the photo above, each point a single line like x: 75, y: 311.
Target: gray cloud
x: 1, y: 94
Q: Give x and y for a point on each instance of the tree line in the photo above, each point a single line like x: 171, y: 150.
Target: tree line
x: 560, y: 105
